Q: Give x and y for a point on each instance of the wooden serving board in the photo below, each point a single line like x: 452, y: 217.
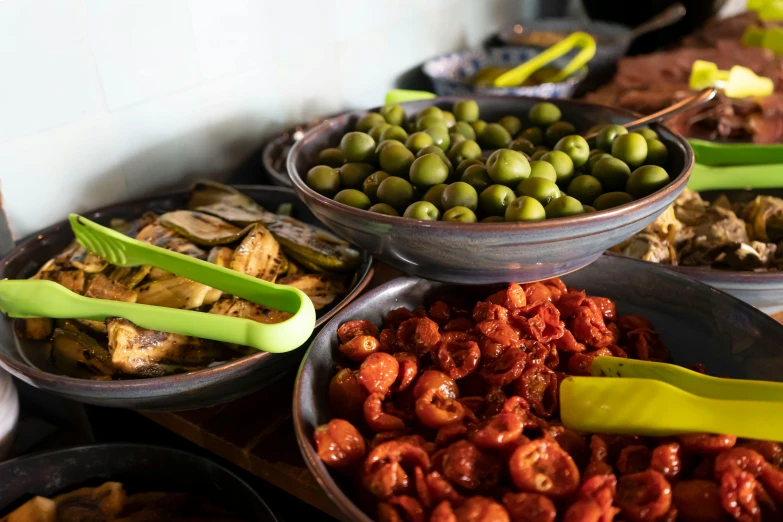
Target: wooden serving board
x: 257, y: 433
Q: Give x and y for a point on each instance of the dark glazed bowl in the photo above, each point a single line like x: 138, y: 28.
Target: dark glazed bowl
x: 697, y: 323
x: 186, y: 391
x: 489, y: 252
x: 139, y: 468
x: 276, y: 153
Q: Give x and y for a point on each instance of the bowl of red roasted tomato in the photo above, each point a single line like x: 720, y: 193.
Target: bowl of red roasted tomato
x: 430, y: 402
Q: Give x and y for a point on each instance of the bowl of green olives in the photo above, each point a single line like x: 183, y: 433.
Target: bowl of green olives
x: 488, y: 189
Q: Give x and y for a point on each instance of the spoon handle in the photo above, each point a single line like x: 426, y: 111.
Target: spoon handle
x: 681, y: 106
x: 669, y: 16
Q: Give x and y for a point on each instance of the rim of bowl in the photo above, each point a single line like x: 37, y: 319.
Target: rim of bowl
x: 617, y: 32
x: 76, y: 385
x: 266, y: 156
x: 599, y: 217
x: 576, y: 77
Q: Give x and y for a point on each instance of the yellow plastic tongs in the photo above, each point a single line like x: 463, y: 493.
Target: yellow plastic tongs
x: 658, y: 399
x: 519, y: 74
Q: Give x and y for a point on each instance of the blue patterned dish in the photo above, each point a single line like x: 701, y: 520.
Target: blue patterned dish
x: 452, y: 74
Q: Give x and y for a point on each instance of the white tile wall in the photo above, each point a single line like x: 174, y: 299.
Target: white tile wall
x: 102, y: 100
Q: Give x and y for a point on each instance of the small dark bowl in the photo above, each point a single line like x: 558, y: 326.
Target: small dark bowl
x: 139, y: 468
x: 698, y: 324
x: 489, y: 252
x: 25, y: 360
x: 276, y: 152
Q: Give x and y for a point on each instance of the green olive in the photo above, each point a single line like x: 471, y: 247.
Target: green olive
x: 558, y: 131
x: 544, y: 114
x: 523, y: 145
x: 449, y: 119
x: 494, y: 136
x: 370, y: 185
x: 494, y: 219
x: 512, y: 124
x: 464, y: 164
x: 607, y: 135
x: 377, y: 130
x: 595, y: 129
x: 383, y: 208
x: 357, y: 146
x: 396, y: 192
x: 612, y: 173
x: 332, y: 157
x: 588, y: 208
x: 353, y: 198
x: 368, y: 121
x: 396, y: 159
x: 564, y: 206
x: 540, y: 189
x: 434, y: 194
x: 476, y: 176
x: 466, y: 110
x: 456, y: 137
x: 657, y: 153
x: 430, y: 111
x: 393, y: 114
x: 383, y: 145
x: 494, y: 200
x: 648, y: 134
x: 585, y: 188
x: 396, y: 133
x: 352, y: 175
x: 422, y: 210
x: 465, y: 129
x: 418, y: 140
x: 525, y: 208
x: 324, y: 180
x: 428, y: 170
x: 440, y: 136
x: 534, y: 135
x: 576, y: 147
x: 646, y: 180
x: 595, y: 158
x: 537, y: 155
x: 631, y: 148
x: 611, y: 200
x: 543, y: 169
x: 459, y: 194
x: 478, y: 126
x: 425, y: 122
x: 467, y: 149
x: 461, y: 214
x: 507, y: 167
x: 564, y: 166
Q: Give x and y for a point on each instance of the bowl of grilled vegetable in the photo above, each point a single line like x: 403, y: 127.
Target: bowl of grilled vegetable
x: 124, y: 483
x: 264, y: 232
x: 731, y: 240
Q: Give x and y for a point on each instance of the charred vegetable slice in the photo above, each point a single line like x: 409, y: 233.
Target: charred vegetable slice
x: 236, y: 307
x: 73, y: 280
x: 201, y: 228
x: 102, y: 503
x: 79, y: 355
x: 321, y: 289
x: 237, y: 216
x: 88, y: 262
x: 206, y: 194
x: 306, y: 243
x: 175, y: 292
x: 129, y: 276
x: 161, y: 236
x: 133, y: 227
x: 258, y: 255
x: 101, y: 287
x: 220, y: 256
x: 150, y: 353
x: 37, y: 329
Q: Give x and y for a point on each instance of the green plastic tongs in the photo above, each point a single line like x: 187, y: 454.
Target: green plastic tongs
x: 660, y: 399
x: 38, y: 298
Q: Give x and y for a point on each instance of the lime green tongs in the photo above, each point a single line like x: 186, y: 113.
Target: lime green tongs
x: 660, y: 399
x: 38, y: 298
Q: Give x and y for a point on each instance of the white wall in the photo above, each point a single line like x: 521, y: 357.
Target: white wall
x: 102, y: 100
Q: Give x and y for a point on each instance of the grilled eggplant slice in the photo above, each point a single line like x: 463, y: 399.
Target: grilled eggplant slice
x: 161, y: 236
x: 321, y: 289
x: 79, y: 355
x: 133, y: 227
x: 149, y: 353
x: 89, y: 262
x: 201, y: 228
x: 220, y: 256
x: 227, y: 203
x: 101, y: 287
x: 236, y: 307
x: 37, y: 509
x: 103, y: 503
x: 258, y: 255
x: 175, y: 292
x: 37, y: 329
x: 73, y: 280
x: 129, y: 276
x: 311, y: 245
x: 235, y: 215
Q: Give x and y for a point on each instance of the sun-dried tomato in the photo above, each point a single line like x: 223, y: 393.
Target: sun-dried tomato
x: 599, y: 454
x: 538, y: 386
x: 440, y: 312
x: 582, y: 363
x: 432, y: 489
x: 707, y: 443
x: 529, y: 507
x: 541, y: 322
x: 435, y: 380
x: 542, y: 466
x: 633, y: 459
x: 699, y: 501
x: 505, y: 369
x: 646, y: 345
x: 458, y: 359
x: 346, y: 395
x: 667, y: 459
x: 606, y: 306
x: 360, y: 347
x: 460, y: 324
x: 378, y: 372
x: 409, y: 368
x: 481, y: 509
x: 772, y: 478
x: 486, y: 311
x: 435, y: 409
x: 594, y: 503
x: 443, y: 513
x: 388, y: 341
x: 491, y: 351
x: 572, y: 442
x: 632, y: 322
x: 568, y: 343
x: 536, y: 293
x: 401, y: 508
x: 418, y: 334
x: 389, y: 467
x: 644, y: 497
x: 469, y: 468
x: 498, y: 332
x: 376, y: 417
x: 588, y: 326
x: 339, y: 444
x: 771, y: 451
x: 737, y: 494
x: 500, y: 432
x: 743, y: 459
x: 396, y: 316
x: 351, y: 329
x: 556, y: 287
x: 569, y: 303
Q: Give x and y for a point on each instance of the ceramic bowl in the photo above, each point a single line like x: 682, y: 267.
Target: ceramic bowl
x: 488, y: 252
x: 699, y: 324
x: 451, y: 74
x: 275, y: 153
x: 140, y: 468
x: 26, y: 360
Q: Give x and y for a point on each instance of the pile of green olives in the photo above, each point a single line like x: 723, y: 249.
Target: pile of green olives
x: 432, y: 167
